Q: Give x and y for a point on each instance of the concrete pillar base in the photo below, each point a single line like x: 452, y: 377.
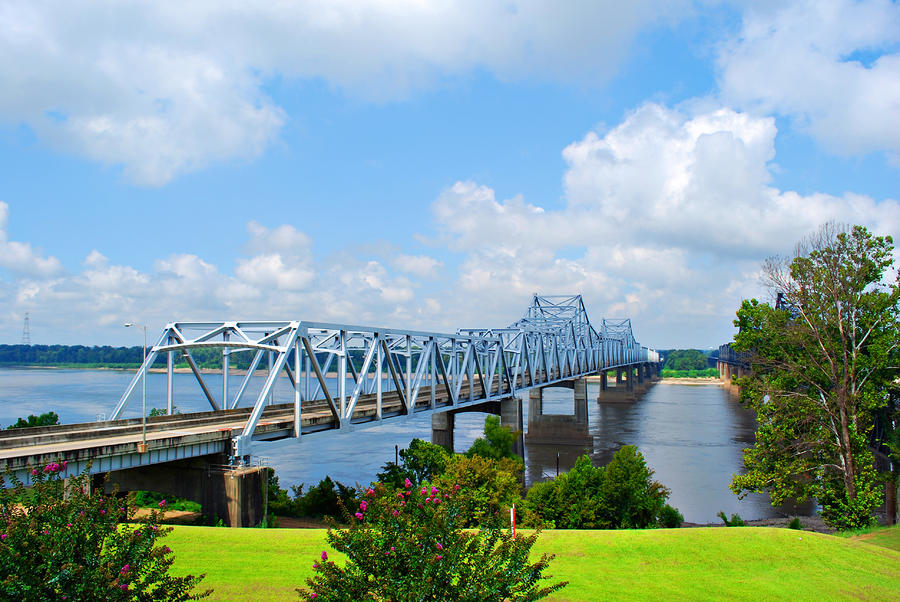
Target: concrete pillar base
x: 511, y: 416
x: 442, y: 424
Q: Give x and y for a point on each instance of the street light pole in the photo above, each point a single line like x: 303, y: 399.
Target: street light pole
x: 142, y: 448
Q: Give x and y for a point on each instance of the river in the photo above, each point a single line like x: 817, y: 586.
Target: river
x: 691, y: 436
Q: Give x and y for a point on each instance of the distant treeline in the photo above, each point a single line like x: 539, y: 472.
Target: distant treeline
x: 687, y: 359
x: 125, y: 357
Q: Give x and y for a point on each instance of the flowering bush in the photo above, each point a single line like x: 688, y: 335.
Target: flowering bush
x: 409, y: 544
x: 59, y: 541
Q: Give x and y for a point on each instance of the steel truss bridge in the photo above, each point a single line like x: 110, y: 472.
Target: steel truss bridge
x: 340, y: 376
x: 395, y: 372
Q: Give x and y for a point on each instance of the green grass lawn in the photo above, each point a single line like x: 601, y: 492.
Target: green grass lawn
x: 749, y: 563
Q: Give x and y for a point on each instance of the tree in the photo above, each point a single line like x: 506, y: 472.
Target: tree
x: 411, y: 545
x: 498, y: 441
x: 621, y: 495
x: 421, y: 461
x: 45, y: 419
x: 821, y: 362
x: 58, y: 541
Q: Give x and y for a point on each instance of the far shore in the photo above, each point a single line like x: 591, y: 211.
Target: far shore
x: 706, y: 380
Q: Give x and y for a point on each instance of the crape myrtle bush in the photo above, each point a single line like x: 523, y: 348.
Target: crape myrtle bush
x: 59, y: 542
x: 410, y: 544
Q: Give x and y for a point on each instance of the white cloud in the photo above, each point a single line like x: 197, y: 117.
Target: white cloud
x: 670, y: 215
x: 422, y: 266
x: 164, y: 88
x: 20, y: 257
x: 831, y: 65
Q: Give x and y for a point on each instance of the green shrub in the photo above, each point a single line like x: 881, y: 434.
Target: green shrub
x: 795, y: 523
x: 58, y: 542
x: 622, y: 495
x: 45, y: 419
x: 670, y: 517
x: 411, y: 545
x: 735, y: 521
x: 498, y: 441
x: 151, y: 499
x: 325, y: 499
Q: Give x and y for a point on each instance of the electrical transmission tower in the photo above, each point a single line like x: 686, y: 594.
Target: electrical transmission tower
x: 26, y: 331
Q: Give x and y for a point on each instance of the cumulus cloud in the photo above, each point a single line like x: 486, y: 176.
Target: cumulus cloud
x: 20, y: 257
x: 164, y: 88
x: 422, y: 266
x: 831, y: 65
x: 667, y: 219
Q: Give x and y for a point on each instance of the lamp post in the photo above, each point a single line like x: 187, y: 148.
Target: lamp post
x: 142, y: 447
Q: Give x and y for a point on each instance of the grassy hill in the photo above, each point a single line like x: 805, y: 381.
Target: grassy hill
x: 665, y: 564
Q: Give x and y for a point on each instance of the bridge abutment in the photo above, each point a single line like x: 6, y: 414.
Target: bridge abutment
x: 232, y: 494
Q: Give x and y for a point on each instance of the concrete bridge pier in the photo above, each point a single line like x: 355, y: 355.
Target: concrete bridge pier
x: 509, y: 409
x: 232, y: 494
x: 624, y: 391
x: 559, y: 429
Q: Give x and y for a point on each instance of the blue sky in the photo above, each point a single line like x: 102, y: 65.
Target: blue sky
x: 430, y: 165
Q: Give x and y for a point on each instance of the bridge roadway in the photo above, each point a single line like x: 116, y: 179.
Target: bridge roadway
x: 112, y: 445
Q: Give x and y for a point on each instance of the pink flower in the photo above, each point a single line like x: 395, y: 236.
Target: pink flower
x: 456, y: 488
x: 324, y: 555
x: 436, y: 501
x: 434, y: 490
x: 68, y: 524
x: 424, y: 491
x: 162, y: 504
x: 402, y: 503
x: 392, y: 548
x: 408, y: 484
x: 102, y: 511
x: 363, y: 505
x: 446, y: 496
x: 315, y: 565
x: 124, y: 570
x: 396, y: 513
x: 64, y: 463
x: 439, y: 546
x: 438, y: 557
x: 358, y: 515
x: 4, y: 536
x: 314, y: 595
x: 370, y: 492
x: 427, y: 500
x: 124, y: 586
x: 46, y: 532
x: 34, y: 472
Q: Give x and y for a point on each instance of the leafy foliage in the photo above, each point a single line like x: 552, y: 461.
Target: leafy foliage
x: 686, y: 359
x: 45, y: 419
x: 420, y: 462
x: 706, y: 373
x: 58, y: 542
x: 621, y: 495
x: 498, y: 441
x: 822, y: 362
x: 734, y: 521
x: 488, y: 488
x: 412, y: 545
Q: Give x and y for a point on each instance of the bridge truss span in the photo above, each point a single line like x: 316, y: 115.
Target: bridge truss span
x: 343, y: 375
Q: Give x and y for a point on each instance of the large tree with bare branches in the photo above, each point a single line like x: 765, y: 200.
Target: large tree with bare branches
x: 822, y: 359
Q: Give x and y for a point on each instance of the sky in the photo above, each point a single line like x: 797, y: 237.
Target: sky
x: 430, y: 165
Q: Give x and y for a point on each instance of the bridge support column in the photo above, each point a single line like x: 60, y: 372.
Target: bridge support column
x: 624, y: 389
x: 442, y: 424
x: 511, y: 416
x: 559, y: 429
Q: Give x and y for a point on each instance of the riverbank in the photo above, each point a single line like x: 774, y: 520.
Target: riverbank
x: 681, y: 564
x: 691, y: 381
